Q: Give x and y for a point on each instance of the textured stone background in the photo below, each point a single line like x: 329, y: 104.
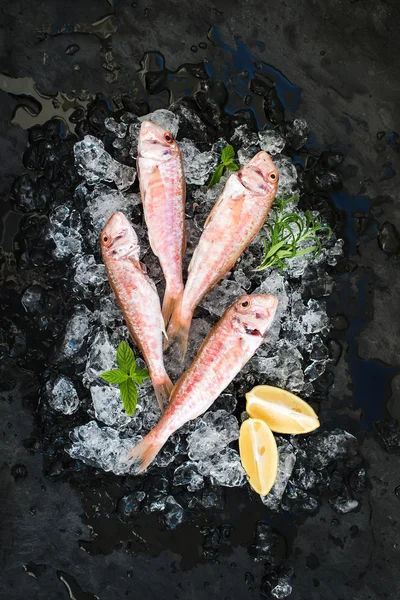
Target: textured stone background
x: 345, y: 57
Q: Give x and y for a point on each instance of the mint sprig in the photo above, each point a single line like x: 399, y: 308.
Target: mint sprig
x: 127, y: 377
x: 227, y: 156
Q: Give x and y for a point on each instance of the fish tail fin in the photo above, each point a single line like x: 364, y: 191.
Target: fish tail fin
x: 178, y: 330
x: 170, y: 303
x: 163, y: 389
x: 145, y: 451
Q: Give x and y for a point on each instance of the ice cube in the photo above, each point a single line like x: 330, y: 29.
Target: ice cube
x: 163, y: 118
x: 343, y: 505
x: 334, y: 252
x: 327, y: 446
x: 187, y: 474
x: 101, y: 357
x: 287, y: 460
x: 222, y: 296
x: 64, y: 231
x: 224, y: 468
x: 109, y: 313
x: 76, y: 332
x: 241, y: 279
x: 314, y: 318
x: 287, y: 176
x: 315, y: 370
x: 130, y: 505
x: 174, y: 514
x: 275, y: 284
x: 89, y: 275
x: 297, y: 132
x: 95, y: 164
x: 283, y: 369
x: 101, y: 203
x: 148, y: 401
x: 120, y: 129
x: 267, y: 542
x: 108, y: 406
x: 283, y: 589
x: 62, y: 395
x: 103, y: 448
x: 169, y: 451
x: 214, y: 431
x: 198, y: 166
x: 271, y: 141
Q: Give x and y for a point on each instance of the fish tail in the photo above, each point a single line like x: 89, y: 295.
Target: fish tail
x: 178, y: 330
x: 170, y: 303
x: 146, y: 450
x: 163, y: 389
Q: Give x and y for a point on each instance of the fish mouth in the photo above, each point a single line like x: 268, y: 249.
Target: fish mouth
x: 258, y: 173
x: 254, y: 332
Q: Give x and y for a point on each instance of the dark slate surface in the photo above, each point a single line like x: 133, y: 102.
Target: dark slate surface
x: 345, y: 57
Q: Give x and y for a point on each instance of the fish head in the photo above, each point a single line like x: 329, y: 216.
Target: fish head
x: 253, y: 314
x: 156, y: 143
x: 260, y: 176
x: 118, y: 238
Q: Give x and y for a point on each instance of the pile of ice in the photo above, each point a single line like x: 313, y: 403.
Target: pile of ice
x: 293, y: 356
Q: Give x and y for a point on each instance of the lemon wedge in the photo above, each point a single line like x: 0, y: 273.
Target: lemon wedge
x: 259, y: 454
x: 281, y: 410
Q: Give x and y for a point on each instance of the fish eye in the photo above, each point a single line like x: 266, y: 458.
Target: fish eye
x: 106, y: 239
x: 245, y: 304
x: 272, y: 176
x: 168, y: 137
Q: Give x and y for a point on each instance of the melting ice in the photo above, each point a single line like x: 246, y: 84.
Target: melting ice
x: 293, y: 355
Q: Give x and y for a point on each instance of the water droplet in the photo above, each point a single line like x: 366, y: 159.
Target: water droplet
x: 194, y: 48
x: 322, y: 53
x: 380, y: 135
x: 397, y: 491
x: 248, y: 99
x: 146, y: 13
x: 72, y: 49
x: 202, y: 45
x: 249, y: 578
x: 77, y: 68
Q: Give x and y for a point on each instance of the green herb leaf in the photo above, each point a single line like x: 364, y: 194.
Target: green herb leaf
x: 228, y: 154
x: 140, y: 375
x: 125, y: 357
x: 216, y: 176
x: 288, y: 232
x: 115, y: 376
x: 232, y: 167
x: 129, y: 395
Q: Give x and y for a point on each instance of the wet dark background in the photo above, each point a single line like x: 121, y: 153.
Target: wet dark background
x: 344, y: 58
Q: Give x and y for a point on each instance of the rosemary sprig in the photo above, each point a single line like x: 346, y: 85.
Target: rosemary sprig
x: 287, y: 232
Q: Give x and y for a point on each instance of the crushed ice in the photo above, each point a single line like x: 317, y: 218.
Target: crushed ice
x: 293, y: 355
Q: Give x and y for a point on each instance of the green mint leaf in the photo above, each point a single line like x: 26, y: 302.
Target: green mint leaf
x: 125, y: 357
x: 216, y: 178
x: 139, y: 376
x: 228, y: 154
x: 115, y: 376
x: 129, y: 395
x: 232, y: 166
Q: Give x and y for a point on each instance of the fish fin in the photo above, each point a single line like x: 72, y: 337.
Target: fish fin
x: 145, y: 451
x: 163, y: 391
x: 170, y: 303
x: 178, y: 331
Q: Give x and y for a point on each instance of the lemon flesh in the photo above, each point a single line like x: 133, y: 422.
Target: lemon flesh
x: 281, y: 410
x: 259, y: 454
